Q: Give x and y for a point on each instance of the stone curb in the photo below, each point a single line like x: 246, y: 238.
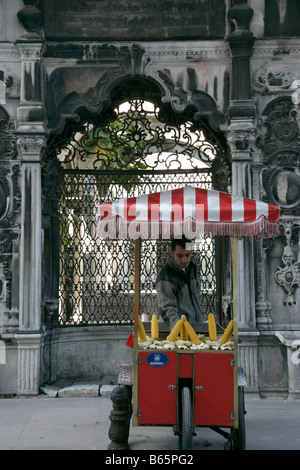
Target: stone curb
x: 78, y: 391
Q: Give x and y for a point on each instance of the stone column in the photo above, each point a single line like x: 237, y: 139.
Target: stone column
x: 248, y: 358
x: 28, y: 363
x: 30, y: 335
x: 31, y: 234
x: 31, y: 140
x: 241, y: 138
x: 262, y: 305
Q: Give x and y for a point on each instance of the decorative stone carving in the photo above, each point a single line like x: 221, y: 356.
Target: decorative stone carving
x: 8, y: 147
x: 8, y: 82
x: 112, y: 82
x: 241, y: 14
x: 31, y: 145
x: 280, y: 173
x: 241, y: 140
x: 30, y: 17
x: 51, y: 307
x: 9, y: 195
x: 263, y: 305
x: 289, y: 276
x: 4, y: 283
x: 10, y: 203
x: 282, y: 185
x: 241, y: 41
x: 274, y: 78
x: 279, y: 114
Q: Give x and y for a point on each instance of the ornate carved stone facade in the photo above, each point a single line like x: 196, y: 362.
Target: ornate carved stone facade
x: 219, y: 63
x: 10, y: 201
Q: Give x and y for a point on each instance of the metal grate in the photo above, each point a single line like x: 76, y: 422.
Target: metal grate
x: 133, y: 155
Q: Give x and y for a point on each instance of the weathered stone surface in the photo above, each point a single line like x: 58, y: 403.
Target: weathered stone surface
x: 79, y: 390
x: 106, y: 390
x: 133, y: 20
x: 50, y: 390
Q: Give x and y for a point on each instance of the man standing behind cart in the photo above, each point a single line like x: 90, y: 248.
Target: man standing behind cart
x: 178, y: 287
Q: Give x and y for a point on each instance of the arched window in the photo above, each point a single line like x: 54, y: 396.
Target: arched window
x: 139, y: 149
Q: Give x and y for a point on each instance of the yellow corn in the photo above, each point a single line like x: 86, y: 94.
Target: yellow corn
x: 154, y: 327
x: 183, y: 333
x: 176, y: 329
x: 141, y: 331
x: 227, y: 333
x: 191, y: 332
x: 212, y: 331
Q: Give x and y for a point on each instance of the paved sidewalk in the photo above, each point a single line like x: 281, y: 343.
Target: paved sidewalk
x: 70, y: 423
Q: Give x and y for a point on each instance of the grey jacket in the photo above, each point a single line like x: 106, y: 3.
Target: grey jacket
x: 178, y: 293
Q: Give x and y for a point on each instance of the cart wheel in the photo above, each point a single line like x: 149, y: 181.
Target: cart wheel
x: 186, y: 434
x: 239, y: 435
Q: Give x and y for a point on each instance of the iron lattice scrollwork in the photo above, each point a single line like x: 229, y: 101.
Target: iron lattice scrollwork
x: 134, y: 153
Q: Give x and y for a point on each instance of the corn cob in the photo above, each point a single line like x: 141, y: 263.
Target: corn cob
x: 154, y: 327
x: 183, y: 333
x: 176, y: 329
x: 227, y: 333
x: 141, y: 331
x: 212, y: 331
x: 191, y: 332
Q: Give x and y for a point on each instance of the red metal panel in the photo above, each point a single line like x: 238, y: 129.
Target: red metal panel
x: 214, y: 401
x: 185, y: 366
x: 156, y: 400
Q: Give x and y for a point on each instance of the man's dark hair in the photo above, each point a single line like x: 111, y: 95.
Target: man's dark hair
x: 181, y: 242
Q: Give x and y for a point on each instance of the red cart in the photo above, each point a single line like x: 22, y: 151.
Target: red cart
x: 188, y: 388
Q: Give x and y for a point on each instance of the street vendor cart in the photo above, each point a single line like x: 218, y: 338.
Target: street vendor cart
x: 192, y: 381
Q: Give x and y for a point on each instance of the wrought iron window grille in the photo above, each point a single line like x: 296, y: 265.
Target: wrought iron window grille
x: 132, y: 152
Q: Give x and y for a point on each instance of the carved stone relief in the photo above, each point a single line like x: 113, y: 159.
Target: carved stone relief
x: 8, y: 82
x: 9, y: 195
x: 280, y: 183
x: 65, y: 103
x: 10, y: 204
x: 283, y: 186
x: 4, y: 287
x: 8, y: 148
x: 288, y: 276
x: 280, y: 175
x: 262, y: 306
x: 276, y: 78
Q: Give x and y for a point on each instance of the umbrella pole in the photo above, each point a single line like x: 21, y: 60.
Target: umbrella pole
x: 137, y: 280
x: 234, y: 246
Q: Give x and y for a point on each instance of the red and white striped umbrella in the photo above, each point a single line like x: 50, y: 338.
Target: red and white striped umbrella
x: 189, y: 211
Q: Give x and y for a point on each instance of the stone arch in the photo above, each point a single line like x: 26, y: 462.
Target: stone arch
x: 199, y: 108
x: 64, y: 106
x: 99, y: 101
